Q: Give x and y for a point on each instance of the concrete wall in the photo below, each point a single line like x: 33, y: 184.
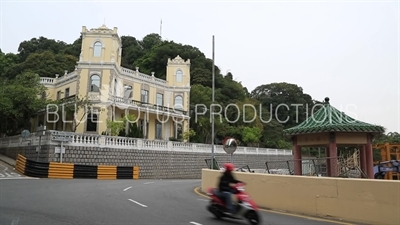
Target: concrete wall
x: 154, y: 164
x: 356, y: 200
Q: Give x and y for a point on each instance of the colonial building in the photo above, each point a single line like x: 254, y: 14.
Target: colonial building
x: 160, y: 106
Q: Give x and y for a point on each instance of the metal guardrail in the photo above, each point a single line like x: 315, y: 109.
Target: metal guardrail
x: 310, y: 167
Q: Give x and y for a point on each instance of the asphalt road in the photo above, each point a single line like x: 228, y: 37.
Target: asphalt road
x: 7, y: 172
x: 114, y: 202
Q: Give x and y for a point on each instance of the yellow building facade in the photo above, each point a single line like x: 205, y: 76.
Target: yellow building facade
x: 161, y: 107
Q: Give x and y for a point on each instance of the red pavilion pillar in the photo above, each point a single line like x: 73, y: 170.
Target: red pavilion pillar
x: 369, y: 157
x: 333, y: 159
x: 328, y: 161
x: 297, y: 157
x: 363, y: 159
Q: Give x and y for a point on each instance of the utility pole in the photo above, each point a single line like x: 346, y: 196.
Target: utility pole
x: 161, y: 29
x: 212, y: 106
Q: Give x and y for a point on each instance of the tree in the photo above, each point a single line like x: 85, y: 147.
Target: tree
x: 73, y: 109
x: 188, y: 134
x: 251, y: 135
x: 125, y: 127
x: 38, y: 45
x: 48, y: 64
x: 7, y: 61
x: 19, y: 102
x: 281, y: 100
x: 391, y: 138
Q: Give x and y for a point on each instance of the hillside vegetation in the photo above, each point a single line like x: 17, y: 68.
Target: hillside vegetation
x: 46, y: 57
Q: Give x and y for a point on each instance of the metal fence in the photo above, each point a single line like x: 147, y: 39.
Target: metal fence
x: 314, y: 167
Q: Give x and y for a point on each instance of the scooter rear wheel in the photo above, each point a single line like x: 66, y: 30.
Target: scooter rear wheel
x: 253, y: 217
x: 214, y: 210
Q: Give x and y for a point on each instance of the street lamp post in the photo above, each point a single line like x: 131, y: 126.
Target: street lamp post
x: 212, y: 106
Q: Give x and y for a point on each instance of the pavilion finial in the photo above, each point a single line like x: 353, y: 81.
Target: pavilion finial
x: 327, y: 100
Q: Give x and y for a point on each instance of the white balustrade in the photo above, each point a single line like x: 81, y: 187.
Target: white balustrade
x: 101, y: 141
x: 161, y: 81
x: 47, y: 80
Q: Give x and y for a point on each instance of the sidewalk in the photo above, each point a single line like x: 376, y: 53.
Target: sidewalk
x: 7, y: 160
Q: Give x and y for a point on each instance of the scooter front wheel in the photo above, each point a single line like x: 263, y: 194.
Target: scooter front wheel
x: 253, y: 218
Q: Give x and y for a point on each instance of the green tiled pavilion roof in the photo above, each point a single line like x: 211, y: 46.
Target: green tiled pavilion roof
x: 329, y: 119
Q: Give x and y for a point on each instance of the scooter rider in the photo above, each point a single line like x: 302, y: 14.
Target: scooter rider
x: 224, y: 186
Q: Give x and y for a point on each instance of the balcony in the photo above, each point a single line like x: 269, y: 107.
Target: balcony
x: 147, y: 107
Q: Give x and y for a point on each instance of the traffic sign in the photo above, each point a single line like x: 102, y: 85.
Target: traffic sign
x: 41, y: 128
x: 25, y: 134
x: 62, y: 133
x: 61, y: 138
x: 58, y: 150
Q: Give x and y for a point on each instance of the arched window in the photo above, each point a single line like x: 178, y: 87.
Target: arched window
x: 179, y: 75
x: 97, y: 49
x: 95, y: 83
x: 178, y: 102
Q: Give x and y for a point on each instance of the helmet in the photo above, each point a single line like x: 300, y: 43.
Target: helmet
x: 229, y: 166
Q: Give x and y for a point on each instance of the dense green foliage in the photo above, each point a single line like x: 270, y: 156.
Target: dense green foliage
x: 47, y: 57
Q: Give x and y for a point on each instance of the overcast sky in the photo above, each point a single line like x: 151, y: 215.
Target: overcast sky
x: 346, y: 50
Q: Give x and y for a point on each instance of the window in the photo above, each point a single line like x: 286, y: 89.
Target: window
x: 178, y: 130
x: 144, y: 96
x: 144, y: 128
x: 179, y: 75
x: 58, y: 95
x: 95, y: 83
x: 91, y: 122
x: 158, y: 131
x: 118, y: 50
x: 178, y: 102
x: 66, y: 92
x: 97, y: 49
x: 115, y: 86
x: 127, y: 91
x: 159, y: 99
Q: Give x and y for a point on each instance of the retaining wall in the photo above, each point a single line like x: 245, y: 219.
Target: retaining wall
x: 154, y: 164
x: 365, y: 201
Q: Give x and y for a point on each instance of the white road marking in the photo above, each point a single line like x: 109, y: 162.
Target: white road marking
x: 200, y: 199
x: 17, y: 178
x: 186, y: 181
x: 148, y: 182
x: 194, y: 223
x: 6, y: 173
x: 127, y: 188
x: 138, y: 203
x: 15, y: 222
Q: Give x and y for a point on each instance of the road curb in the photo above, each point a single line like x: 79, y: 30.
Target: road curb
x: 4, y: 161
x: 198, y: 191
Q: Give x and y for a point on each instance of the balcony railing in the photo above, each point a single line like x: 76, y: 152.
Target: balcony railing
x: 147, y: 106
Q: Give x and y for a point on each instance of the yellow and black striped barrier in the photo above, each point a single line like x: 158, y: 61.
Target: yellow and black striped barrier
x: 136, y: 172
x: 70, y: 171
x: 106, y: 172
x: 61, y: 170
x: 20, y: 164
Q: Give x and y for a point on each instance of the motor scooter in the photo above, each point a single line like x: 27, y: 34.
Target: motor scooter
x: 246, y: 208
